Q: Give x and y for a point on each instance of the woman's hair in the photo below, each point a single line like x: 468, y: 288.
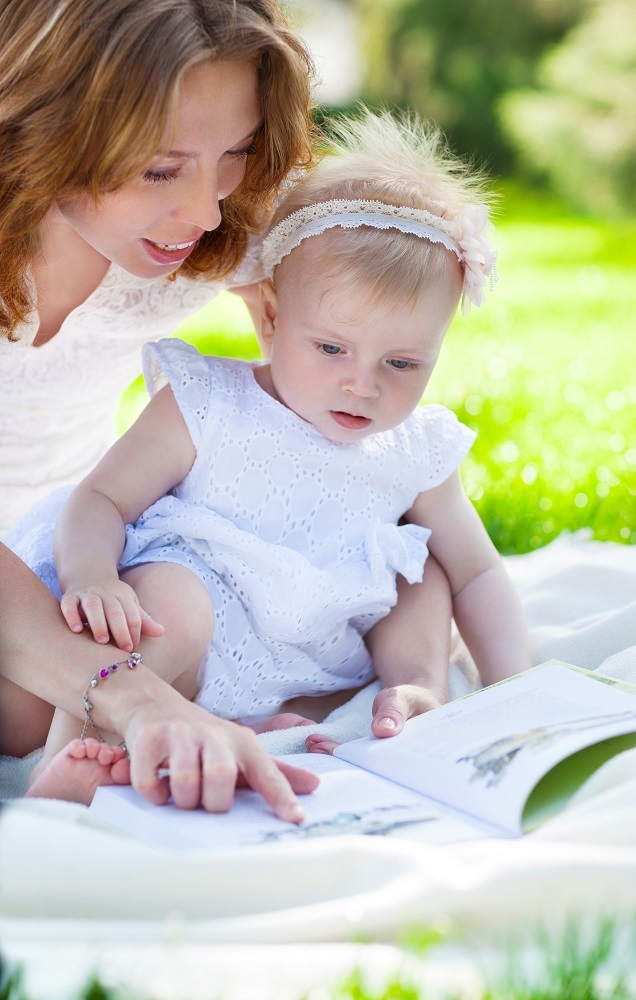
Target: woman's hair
x: 87, y: 91
x: 398, y: 160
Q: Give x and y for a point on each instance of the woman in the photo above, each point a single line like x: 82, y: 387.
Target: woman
x: 140, y: 138
x: 97, y: 199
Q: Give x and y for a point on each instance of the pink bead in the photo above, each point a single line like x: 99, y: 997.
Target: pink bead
x: 104, y: 672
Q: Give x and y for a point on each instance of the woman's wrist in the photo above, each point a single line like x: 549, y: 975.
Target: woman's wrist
x: 117, y: 699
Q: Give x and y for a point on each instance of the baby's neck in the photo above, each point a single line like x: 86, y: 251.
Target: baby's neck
x: 263, y: 378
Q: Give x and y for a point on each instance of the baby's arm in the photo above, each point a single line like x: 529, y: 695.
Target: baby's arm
x: 486, y: 607
x: 410, y: 649
x: 155, y: 454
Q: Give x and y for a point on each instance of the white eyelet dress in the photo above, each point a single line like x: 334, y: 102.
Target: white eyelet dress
x: 296, y: 537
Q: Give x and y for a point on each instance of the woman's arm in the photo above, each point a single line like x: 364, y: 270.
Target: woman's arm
x: 204, y: 755
x: 142, y: 466
x: 486, y: 607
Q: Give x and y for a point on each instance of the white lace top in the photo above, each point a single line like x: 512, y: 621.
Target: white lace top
x: 57, y: 401
x: 296, y: 537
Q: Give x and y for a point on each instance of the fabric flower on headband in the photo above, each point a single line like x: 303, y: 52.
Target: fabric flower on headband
x: 467, y: 237
x: 478, y: 257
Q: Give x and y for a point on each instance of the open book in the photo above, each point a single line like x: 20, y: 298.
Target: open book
x: 494, y: 763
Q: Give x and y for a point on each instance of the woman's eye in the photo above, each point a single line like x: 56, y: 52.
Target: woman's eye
x: 160, y: 176
x: 330, y: 349
x: 401, y: 365
x: 246, y: 151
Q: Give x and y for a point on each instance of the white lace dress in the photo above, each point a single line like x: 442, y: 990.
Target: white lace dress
x: 57, y: 401
x: 295, y: 537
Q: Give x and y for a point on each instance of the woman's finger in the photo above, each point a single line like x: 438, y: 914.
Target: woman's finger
x: 263, y: 774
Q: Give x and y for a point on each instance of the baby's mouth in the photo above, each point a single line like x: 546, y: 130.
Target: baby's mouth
x: 350, y: 421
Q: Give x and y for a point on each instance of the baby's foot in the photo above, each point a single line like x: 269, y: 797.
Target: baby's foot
x: 317, y: 743
x: 284, y: 720
x: 78, y: 770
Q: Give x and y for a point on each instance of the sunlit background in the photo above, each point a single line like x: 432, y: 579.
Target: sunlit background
x: 540, y: 93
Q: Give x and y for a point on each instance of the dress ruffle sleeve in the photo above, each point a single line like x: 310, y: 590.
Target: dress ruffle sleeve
x: 177, y: 364
x: 439, y: 443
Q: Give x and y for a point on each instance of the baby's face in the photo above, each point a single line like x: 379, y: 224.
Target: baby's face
x: 348, y: 369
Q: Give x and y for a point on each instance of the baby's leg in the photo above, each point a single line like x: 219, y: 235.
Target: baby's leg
x: 176, y: 598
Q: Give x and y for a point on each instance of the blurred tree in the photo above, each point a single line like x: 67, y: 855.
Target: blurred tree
x: 451, y: 60
x: 579, y: 130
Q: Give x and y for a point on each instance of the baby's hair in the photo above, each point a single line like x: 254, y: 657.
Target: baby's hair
x: 88, y: 89
x: 396, y: 159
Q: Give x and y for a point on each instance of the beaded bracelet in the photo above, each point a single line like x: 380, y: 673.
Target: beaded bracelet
x: 131, y: 662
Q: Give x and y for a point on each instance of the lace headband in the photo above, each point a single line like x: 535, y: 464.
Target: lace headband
x: 466, y: 237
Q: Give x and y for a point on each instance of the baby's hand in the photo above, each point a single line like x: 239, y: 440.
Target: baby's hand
x: 393, y: 706
x: 391, y: 709
x: 110, y: 609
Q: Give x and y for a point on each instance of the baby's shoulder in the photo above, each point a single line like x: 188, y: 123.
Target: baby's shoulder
x: 181, y: 365
x: 434, y: 422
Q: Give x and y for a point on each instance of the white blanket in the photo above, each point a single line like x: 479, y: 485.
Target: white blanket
x: 63, y: 878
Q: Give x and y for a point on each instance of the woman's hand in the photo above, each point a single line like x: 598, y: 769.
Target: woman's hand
x: 110, y: 609
x: 206, y: 758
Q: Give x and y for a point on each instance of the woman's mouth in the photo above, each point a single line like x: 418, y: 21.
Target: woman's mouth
x: 169, y: 253
x: 350, y: 421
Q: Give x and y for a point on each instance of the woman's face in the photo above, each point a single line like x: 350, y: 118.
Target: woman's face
x: 151, y: 224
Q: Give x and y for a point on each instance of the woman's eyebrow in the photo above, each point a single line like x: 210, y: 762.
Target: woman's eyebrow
x: 183, y: 155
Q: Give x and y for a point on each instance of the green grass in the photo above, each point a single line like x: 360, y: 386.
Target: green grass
x: 579, y: 963
x: 545, y: 372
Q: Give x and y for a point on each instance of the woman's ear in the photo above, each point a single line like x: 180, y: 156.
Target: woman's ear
x: 268, y: 311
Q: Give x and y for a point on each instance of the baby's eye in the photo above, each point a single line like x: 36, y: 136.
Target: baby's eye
x: 330, y: 349
x: 401, y: 365
x: 160, y: 176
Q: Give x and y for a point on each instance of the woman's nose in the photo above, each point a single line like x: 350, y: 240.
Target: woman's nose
x: 200, y: 206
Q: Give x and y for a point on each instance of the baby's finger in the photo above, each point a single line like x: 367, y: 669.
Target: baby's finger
x: 69, y: 606
x: 390, y: 711
x: 124, y: 626
x: 149, y: 626
x: 95, y: 618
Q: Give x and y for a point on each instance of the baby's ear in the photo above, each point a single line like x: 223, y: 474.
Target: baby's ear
x: 268, y: 310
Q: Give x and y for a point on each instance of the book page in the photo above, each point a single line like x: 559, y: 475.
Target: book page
x: 484, y: 754
x: 348, y: 801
